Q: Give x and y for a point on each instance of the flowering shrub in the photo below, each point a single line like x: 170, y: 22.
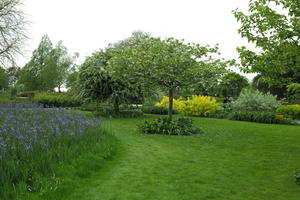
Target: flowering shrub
x: 199, y: 106
x: 255, y: 101
x: 34, y: 140
x: 292, y: 111
x: 177, y: 103
x: 196, y: 105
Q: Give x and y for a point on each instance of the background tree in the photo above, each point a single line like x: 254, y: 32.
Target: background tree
x: 4, y: 79
x: 276, y: 36
x: 13, y: 73
x: 168, y: 64
x: 232, y: 84
x: 48, y: 67
x: 95, y: 82
x: 12, y: 30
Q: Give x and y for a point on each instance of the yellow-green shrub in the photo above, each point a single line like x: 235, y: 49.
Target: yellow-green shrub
x: 290, y: 110
x: 177, y: 103
x: 196, y: 105
x: 199, y: 106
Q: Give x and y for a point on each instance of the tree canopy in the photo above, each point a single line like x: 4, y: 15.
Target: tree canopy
x: 273, y: 27
x: 48, y: 68
x: 168, y: 64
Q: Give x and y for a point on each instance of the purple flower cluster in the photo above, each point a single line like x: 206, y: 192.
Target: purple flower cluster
x: 24, y: 127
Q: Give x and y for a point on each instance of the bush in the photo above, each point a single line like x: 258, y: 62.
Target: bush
x: 194, y: 106
x: 29, y: 94
x: 57, y: 100
x: 121, y: 114
x: 260, y: 117
x: 177, y: 103
x: 292, y: 111
x: 180, y: 126
x: 156, y: 110
x: 297, y: 177
x: 250, y: 100
x: 220, y: 114
x: 198, y: 106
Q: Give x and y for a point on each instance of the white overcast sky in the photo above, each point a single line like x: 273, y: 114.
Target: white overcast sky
x: 85, y: 26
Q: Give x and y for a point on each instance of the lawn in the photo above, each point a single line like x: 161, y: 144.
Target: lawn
x: 231, y: 161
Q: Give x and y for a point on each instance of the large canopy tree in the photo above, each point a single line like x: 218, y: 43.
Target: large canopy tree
x: 12, y: 30
x: 273, y: 27
x: 169, y: 64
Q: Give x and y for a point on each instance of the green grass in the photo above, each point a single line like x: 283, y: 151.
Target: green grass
x: 231, y: 161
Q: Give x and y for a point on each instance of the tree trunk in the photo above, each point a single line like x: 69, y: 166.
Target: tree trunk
x: 59, y: 91
x: 170, y: 105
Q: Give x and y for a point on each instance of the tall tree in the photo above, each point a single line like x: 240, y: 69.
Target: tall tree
x: 96, y: 81
x: 4, y: 79
x: 273, y: 27
x: 168, y: 64
x: 232, y: 84
x: 12, y: 30
x: 48, y: 67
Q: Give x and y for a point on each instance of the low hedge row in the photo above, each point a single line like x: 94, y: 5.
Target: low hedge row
x: 156, y: 110
x: 57, y: 100
x: 260, y: 117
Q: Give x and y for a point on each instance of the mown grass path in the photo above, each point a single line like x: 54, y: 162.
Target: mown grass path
x: 231, y: 161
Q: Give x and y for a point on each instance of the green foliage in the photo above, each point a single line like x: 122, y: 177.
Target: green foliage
x: 220, y: 113
x: 96, y: 82
x: 292, y: 111
x: 179, y: 126
x: 167, y: 64
x: 4, y: 79
x: 260, y: 117
x: 294, y: 92
x: 48, y: 67
x: 198, y: 106
x: 297, y: 177
x: 232, y: 84
x: 57, y: 100
x: 252, y: 100
x: 156, y: 110
x: 273, y: 27
x: 29, y: 94
x: 111, y: 113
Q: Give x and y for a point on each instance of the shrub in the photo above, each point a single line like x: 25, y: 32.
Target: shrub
x: 293, y: 89
x: 297, y: 177
x: 180, y: 126
x: 29, y: 94
x: 260, y: 117
x: 250, y: 100
x: 220, y: 113
x: 292, y: 111
x: 198, y: 106
x: 177, y: 103
x: 121, y: 114
x: 156, y: 110
x: 194, y: 106
x: 57, y: 100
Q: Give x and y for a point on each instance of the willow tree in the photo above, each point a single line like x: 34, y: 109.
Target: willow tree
x: 169, y: 64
